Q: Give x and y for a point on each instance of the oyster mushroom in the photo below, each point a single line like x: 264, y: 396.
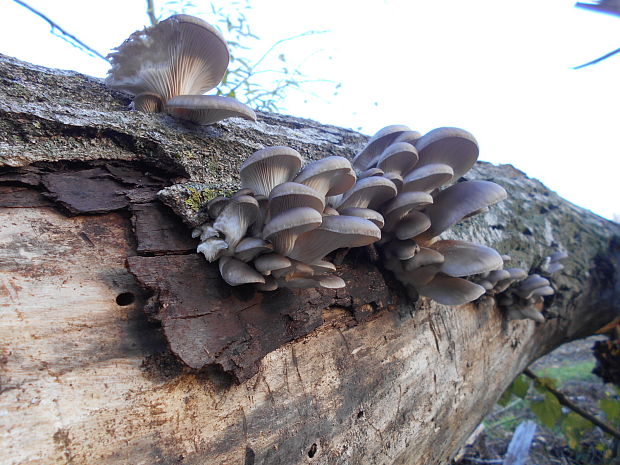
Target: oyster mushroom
x: 208, y: 109
x: 368, y: 193
x: 235, y: 272
x: 455, y: 202
x: 334, y: 233
x: 267, y: 168
x: 250, y: 247
x: 329, y: 176
x: 448, y: 290
x: 235, y: 218
x: 293, y: 195
x: 282, y: 230
x: 427, y: 178
x: 466, y: 258
x: 450, y: 146
x: 181, y: 55
x: 377, y: 144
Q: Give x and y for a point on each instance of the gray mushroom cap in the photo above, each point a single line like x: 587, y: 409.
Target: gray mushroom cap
x: 420, y: 276
x: 543, y: 291
x: 292, y: 195
x: 398, y: 158
x: 384, y: 137
x: 368, y: 193
x: 212, y: 248
x: 283, y: 230
x: 329, y: 176
x: 424, y: 257
x: 455, y: 202
x: 331, y: 281
x: 411, y: 225
x: 323, y: 267
x: 270, y: 284
x: 530, y: 284
x: 370, y: 172
x: 366, y: 213
x: 266, y: 168
x: 208, y: 109
x: 427, y: 178
x: 330, y: 211
x: 402, y: 204
x: 335, y: 232
x: 498, y: 275
x: 235, y: 272
x: 181, y: 55
x: 403, y: 250
x: 396, y: 179
x: 267, y: 263
x: 448, y: 290
x: 216, y: 205
x: 250, y: 247
x: 410, y: 137
x: 235, y: 218
x: 451, y: 146
x: 517, y: 273
x: 148, y: 102
x: 557, y: 256
x: 466, y: 258
x: 296, y: 269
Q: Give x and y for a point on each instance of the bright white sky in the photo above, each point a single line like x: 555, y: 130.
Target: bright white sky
x: 501, y: 70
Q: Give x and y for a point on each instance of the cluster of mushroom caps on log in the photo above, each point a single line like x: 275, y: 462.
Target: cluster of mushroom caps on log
x: 120, y: 344
x: 400, y: 193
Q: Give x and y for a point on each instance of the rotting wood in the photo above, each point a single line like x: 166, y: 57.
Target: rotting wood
x: 86, y: 377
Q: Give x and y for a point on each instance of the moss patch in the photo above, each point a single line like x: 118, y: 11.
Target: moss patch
x: 198, y: 198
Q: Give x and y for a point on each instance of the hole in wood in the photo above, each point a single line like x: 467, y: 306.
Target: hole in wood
x: 312, y: 450
x: 125, y: 298
x: 360, y: 414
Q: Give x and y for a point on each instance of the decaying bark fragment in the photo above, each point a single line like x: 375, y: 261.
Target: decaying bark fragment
x: 362, y: 375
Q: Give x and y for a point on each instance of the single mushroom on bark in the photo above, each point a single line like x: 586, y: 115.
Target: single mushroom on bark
x: 168, y: 66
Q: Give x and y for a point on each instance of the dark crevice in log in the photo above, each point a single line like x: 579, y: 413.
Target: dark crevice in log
x: 209, y: 323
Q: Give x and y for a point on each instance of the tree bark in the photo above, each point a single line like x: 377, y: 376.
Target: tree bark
x: 118, y: 344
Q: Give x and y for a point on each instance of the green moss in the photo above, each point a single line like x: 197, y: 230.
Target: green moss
x: 579, y: 371
x: 198, y: 198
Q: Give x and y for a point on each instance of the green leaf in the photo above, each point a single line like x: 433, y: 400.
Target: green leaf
x: 520, y: 386
x: 542, y: 383
x: 548, y: 411
x: 506, y: 396
x: 611, y: 407
x: 574, y: 426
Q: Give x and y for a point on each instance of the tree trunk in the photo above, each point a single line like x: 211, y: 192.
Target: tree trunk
x: 118, y: 344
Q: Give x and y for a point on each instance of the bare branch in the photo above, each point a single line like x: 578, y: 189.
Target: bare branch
x: 70, y: 38
x: 150, y: 11
x: 566, y: 402
x: 604, y: 57
x: 610, y: 7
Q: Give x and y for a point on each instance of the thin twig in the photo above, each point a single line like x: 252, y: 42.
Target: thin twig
x: 607, y: 7
x: 563, y: 400
x: 150, y: 11
x: 268, y: 52
x: 604, y: 57
x: 74, y: 40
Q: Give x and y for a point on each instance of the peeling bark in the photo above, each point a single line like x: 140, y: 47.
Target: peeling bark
x: 102, y: 297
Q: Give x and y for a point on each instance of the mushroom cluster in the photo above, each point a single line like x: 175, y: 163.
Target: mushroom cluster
x: 413, y: 178
x: 276, y: 230
x: 523, y: 296
x: 167, y: 67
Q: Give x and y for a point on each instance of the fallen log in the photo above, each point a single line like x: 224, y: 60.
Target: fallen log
x: 118, y: 344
